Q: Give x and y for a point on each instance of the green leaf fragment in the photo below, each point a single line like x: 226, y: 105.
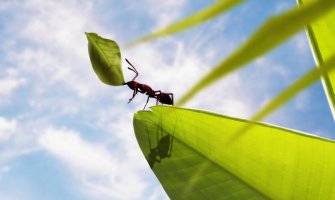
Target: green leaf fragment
x: 105, y: 58
x: 271, y: 34
x: 192, y: 158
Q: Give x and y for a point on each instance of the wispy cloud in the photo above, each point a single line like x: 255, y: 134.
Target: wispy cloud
x: 102, y: 172
x: 165, y: 12
x: 7, y: 128
x: 57, y: 56
x: 9, y: 82
x: 301, y: 44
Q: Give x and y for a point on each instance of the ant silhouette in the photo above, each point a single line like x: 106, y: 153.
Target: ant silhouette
x: 162, y: 150
x: 164, y: 98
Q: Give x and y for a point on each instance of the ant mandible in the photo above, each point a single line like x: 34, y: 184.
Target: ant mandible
x: 164, y: 98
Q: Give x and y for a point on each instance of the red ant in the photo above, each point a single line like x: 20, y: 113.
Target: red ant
x: 162, y: 97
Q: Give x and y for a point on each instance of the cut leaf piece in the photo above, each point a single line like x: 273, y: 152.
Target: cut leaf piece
x: 105, y: 58
x: 189, y: 152
x: 271, y: 34
x: 321, y: 35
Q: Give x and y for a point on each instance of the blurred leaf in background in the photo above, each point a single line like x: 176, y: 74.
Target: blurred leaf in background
x: 272, y: 33
x: 200, y: 17
x: 321, y: 34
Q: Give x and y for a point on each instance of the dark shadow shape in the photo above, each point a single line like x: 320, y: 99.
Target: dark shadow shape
x: 163, y: 150
x: 164, y: 146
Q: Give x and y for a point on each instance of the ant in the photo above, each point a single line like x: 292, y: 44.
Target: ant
x: 164, y: 98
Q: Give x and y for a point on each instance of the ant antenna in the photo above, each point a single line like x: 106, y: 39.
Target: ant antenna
x: 134, y: 69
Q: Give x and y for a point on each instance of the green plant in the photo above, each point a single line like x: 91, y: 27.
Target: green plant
x: 198, y: 155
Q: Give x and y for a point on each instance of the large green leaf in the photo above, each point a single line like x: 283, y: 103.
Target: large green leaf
x: 271, y: 34
x: 322, y: 39
x: 208, y: 13
x: 268, y: 162
x: 105, y: 57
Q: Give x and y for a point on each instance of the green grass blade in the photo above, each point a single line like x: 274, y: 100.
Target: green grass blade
x: 188, y: 152
x: 275, y: 31
x: 322, y: 39
x: 208, y: 13
x: 105, y: 58
x: 302, y: 83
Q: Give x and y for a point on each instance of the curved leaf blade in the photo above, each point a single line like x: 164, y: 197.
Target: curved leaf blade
x: 302, y: 83
x: 200, y: 17
x: 321, y: 35
x: 271, y: 34
x: 268, y: 162
x: 105, y: 58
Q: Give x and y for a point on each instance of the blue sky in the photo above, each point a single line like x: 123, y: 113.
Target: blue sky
x: 65, y: 135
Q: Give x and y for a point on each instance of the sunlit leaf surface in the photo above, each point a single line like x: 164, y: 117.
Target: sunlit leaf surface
x: 106, y: 59
x: 193, y: 157
x: 321, y: 35
x: 275, y: 31
x: 208, y: 13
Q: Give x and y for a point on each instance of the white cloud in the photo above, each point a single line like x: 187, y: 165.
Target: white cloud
x: 57, y: 54
x: 282, y: 6
x: 102, y: 172
x: 301, y: 44
x: 302, y: 101
x: 9, y: 83
x: 268, y: 68
x: 4, y: 168
x: 165, y: 12
x: 68, y: 146
x: 7, y: 128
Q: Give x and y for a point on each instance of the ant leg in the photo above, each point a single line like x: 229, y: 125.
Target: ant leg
x: 157, y: 91
x: 171, y: 144
x: 159, y: 159
x: 132, y: 97
x: 146, y: 103
x: 134, y: 94
x: 171, y: 97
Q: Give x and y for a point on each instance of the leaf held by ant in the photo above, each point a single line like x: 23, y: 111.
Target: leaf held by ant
x: 105, y: 58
